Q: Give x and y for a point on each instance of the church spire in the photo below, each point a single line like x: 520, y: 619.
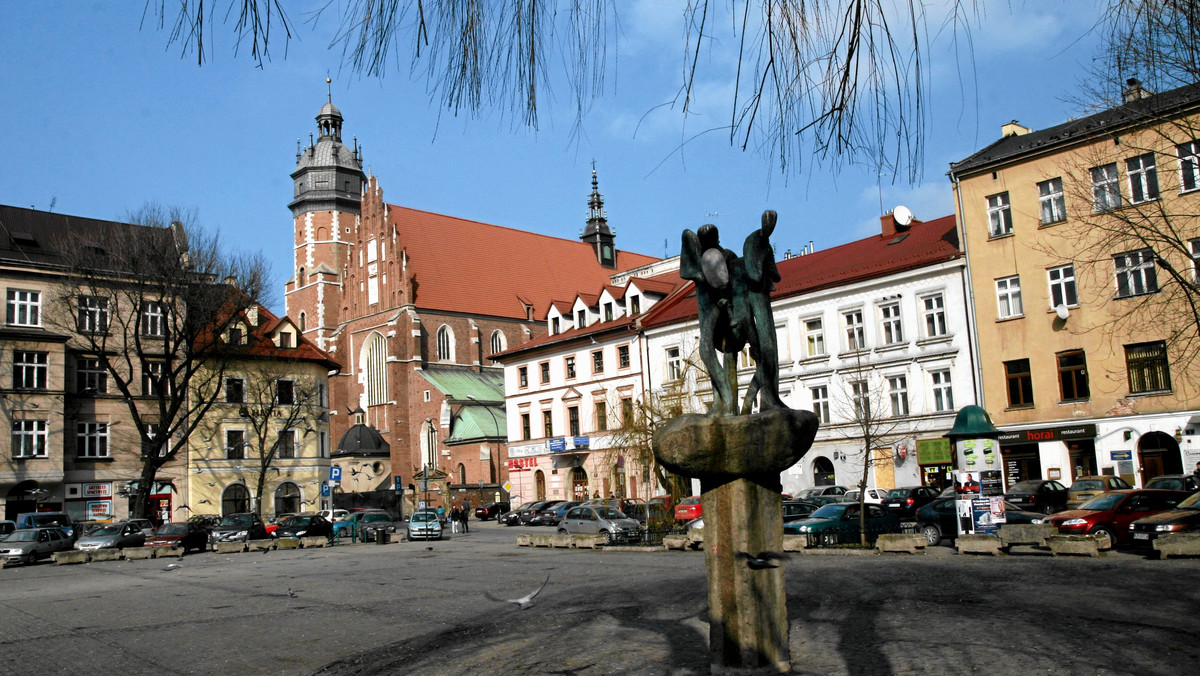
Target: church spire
x: 597, y: 233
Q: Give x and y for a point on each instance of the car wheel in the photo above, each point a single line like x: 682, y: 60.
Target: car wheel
x: 1105, y: 530
x: 562, y: 531
x: 608, y: 537
x: 932, y: 535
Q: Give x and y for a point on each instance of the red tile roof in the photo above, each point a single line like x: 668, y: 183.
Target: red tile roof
x: 259, y: 341
x: 924, y: 243
x: 477, y: 268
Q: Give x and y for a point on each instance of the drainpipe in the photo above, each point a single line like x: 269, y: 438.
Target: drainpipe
x: 969, y: 292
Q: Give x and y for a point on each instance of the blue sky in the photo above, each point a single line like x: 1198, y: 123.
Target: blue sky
x: 104, y: 116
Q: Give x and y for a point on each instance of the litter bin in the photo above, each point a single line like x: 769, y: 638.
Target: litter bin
x: 382, y: 537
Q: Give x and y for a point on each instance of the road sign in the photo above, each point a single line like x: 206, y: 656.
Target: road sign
x: 335, y: 473
x: 397, y: 483
x: 507, y: 486
x: 324, y: 490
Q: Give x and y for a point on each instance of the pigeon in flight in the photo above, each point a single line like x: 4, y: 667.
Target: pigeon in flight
x: 525, y: 601
x: 172, y: 566
x: 762, y: 560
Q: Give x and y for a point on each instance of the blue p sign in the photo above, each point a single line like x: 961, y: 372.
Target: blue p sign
x: 324, y: 490
x: 335, y: 473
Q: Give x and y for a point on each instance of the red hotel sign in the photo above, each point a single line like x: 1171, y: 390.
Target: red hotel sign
x: 521, y: 464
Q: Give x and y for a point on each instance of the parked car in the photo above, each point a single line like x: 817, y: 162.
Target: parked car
x: 208, y: 521
x: 1111, y: 512
x: 513, y: 517
x: 874, y: 495
x: 182, y: 534
x: 7, y: 527
x: 821, y: 492
x: 47, y: 520
x: 350, y: 526
x: 1085, y: 488
x: 612, y: 523
x: 905, y: 501
x: 119, y: 535
x: 304, y: 526
x: 1038, y: 495
x: 272, y: 523
x: 689, y: 508
x: 491, y: 510
x: 644, y: 512
x: 424, y: 526
x: 839, y: 523
x: 798, y: 509
x: 144, y: 525
x: 369, y: 525
x: 1185, y: 517
x: 552, y: 515
x: 334, y: 515
x: 1175, y: 482
x: 939, y: 519
x: 533, y: 510
x: 27, y: 545
x: 538, y: 518
x: 239, y: 527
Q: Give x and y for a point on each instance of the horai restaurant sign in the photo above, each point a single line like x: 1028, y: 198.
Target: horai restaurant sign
x: 1048, y: 434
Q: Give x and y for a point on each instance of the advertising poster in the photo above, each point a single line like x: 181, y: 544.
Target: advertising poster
x: 966, y: 491
x: 987, y: 515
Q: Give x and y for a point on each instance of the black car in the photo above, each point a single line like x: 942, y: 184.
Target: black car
x: 239, y: 528
x: 491, y: 510
x: 304, y: 526
x: 527, y: 514
x: 1176, y: 482
x: 184, y: 535
x: 904, y: 502
x: 551, y: 514
x: 513, y: 517
x: 939, y: 519
x: 1185, y: 517
x: 1038, y: 495
x: 798, y: 509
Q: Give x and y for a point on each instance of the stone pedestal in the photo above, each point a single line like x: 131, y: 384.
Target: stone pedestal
x: 738, y: 461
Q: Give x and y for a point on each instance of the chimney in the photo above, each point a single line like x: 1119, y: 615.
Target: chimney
x: 1013, y: 129
x: 896, y: 221
x: 1135, y: 91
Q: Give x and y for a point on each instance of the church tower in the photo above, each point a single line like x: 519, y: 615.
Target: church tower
x: 597, y: 232
x: 328, y: 184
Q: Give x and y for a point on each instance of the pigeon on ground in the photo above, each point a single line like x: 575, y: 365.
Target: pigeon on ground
x: 762, y: 560
x: 291, y: 593
x: 172, y: 566
x: 525, y: 601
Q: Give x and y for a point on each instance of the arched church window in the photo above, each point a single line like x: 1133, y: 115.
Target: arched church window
x: 498, y: 341
x: 376, y: 367
x: 303, y: 322
x: 445, y: 343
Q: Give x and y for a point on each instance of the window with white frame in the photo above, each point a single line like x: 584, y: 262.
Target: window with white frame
x: 569, y: 364
x: 814, y: 337
x: 820, y: 402
x: 91, y: 439
x: 90, y: 376
x: 1054, y: 205
x: 580, y: 319
x: 860, y: 398
x: 1143, y: 178
x: 999, y: 215
x: 286, y: 449
x: 235, y: 444
x: 1008, y: 297
x: 93, y: 314
x: 24, y: 308
x: 1189, y: 166
x: 154, y: 319
x: 1106, y: 188
x: 29, y: 438
x: 898, y: 394
x: 598, y: 361
x: 498, y: 342
x: 30, y: 370
x: 445, y: 343
x: 783, y: 343
x: 1135, y: 273
x: 933, y: 307
x: 623, y: 356
x: 674, y: 363
x: 377, y: 375
x: 855, y: 338
x: 148, y: 444
x: 943, y: 392
x: 893, y: 328
x: 1062, y: 286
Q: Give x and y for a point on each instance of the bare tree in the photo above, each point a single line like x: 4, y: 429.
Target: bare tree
x: 825, y: 78
x: 1154, y: 41
x: 145, y: 303
x: 278, y: 407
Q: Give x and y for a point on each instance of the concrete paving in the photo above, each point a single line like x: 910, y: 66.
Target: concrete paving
x: 423, y: 608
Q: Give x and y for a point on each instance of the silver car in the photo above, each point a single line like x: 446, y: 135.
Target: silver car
x: 599, y: 520
x: 424, y: 526
x: 117, y: 535
x: 27, y: 545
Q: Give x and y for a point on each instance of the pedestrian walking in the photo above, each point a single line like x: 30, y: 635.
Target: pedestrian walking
x: 465, y: 511
x: 454, y: 517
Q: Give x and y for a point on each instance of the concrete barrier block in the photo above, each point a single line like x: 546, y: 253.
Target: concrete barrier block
x: 313, y: 542
x: 139, y: 553
x: 1084, y: 545
x: 1178, y: 544
x: 679, y: 542
x: 542, y: 540
x: 104, y: 555
x: 900, y: 543
x: 978, y: 544
x: 229, y: 547
x: 562, y: 540
x: 70, y: 556
x: 260, y: 545
x: 524, y: 540
x: 586, y: 541
x: 287, y: 543
x: 794, y: 543
x: 1026, y: 534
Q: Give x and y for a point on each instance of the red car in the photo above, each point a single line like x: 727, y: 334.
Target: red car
x: 1112, y: 512
x: 688, y: 509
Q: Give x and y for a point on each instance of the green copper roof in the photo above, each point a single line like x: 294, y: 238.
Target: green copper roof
x: 478, y: 423
x: 972, y: 422
x: 463, y: 384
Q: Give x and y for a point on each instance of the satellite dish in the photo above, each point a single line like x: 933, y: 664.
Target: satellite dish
x: 1062, y: 312
x: 903, y: 216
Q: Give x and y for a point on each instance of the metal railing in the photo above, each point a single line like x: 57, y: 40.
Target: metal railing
x: 849, y: 537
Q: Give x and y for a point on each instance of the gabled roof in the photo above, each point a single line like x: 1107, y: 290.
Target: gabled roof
x: 476, y: 268
x: 259, y: 341
x: 461, y: 384
x: 1151, y: 109
x: 659, y: 285
x: 924, y: 243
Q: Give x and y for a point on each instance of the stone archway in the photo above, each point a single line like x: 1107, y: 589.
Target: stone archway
x: 235, y: 500
x: 20, y: 500
x: 822, y: 470
x: 1158, y: 454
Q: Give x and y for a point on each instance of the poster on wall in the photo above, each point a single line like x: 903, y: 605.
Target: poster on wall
x: 979, y: 502
x: 98, y: 510
x: 987, y: 515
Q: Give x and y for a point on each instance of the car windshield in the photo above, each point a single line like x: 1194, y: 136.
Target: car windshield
x: 829, y: 512
x: 22, y: 536
x: 610, y: 513
x: 371, y: 518
x: 44, y: 520
x: 1103, y: 502
x: 691, y: 501
x: 1088, y: 485
x: 296, y: 521
x: 898, y: 493
x: 1167, y: 484
x: 1024, y: 487
x: 104, y: 531
x: 237, y: 520
x: 1193, y: 502
x: 422, y: 517
x: 172, y: 529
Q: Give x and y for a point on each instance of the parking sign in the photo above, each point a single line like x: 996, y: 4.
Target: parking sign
x: 335, y: 473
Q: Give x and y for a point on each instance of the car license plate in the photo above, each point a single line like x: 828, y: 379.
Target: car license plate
x: 1141, y: 536
x: 894, y: 504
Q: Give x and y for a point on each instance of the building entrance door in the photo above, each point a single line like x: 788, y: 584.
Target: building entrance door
x: 579, y: 484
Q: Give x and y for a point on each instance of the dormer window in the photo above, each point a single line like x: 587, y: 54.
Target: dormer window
x: 608, y: 312
x: 235, y: 335
x: 580, y: 319
x: 554, y: 326
x: 635, y: 305
x: 285, y: 339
